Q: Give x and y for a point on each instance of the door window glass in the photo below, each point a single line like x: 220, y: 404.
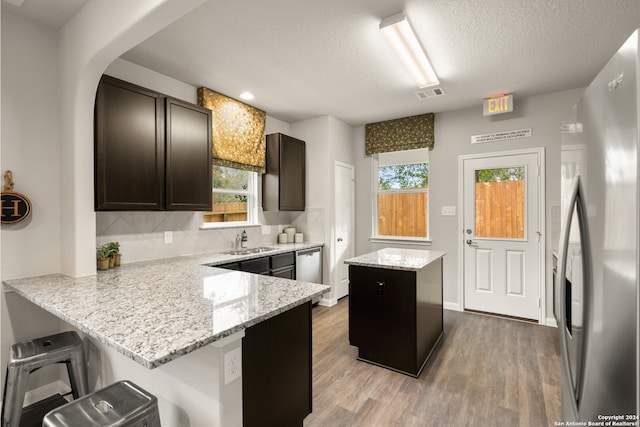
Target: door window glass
x: 500, y: 203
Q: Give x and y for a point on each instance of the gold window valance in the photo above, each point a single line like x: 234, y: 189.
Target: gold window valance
x: 408, y: 133
x: 237, y: 131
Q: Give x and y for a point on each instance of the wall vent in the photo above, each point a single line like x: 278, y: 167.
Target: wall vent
x: 430, y: 93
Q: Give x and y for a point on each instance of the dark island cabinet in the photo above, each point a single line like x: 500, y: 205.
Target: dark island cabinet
x: 283, y: 184
x: 151, y: 152
x: 395, y: 316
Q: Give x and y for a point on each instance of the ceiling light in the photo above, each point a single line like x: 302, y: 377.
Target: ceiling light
x: 247, y: 96
x: 399, y: 34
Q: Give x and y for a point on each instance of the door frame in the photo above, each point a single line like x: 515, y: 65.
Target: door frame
x: 335, y: 275
x: 542, y: 277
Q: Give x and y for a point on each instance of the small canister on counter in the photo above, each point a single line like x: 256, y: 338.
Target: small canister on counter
x: 298, y: 238
x: 282, y: 238
x: 291, y: 232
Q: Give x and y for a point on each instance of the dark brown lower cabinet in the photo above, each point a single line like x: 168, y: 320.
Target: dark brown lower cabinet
x: 276, y: 370
x: 395, y: 316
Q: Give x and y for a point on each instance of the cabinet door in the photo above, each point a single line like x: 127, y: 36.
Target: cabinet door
x: 129, y: 147
x: 382, y: 316
x: 292, y: 174
x: 276, y: 370
x: 283, y: 260
x: 257, y: 265
x: 283, y: 184
x: 188, y: 145
x: 285, y: 273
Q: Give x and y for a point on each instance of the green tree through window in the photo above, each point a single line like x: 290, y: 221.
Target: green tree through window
x: 398, y: 177
x: 499, y: 175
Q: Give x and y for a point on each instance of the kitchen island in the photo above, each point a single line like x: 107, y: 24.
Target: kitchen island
x: 144, y: 322
x: 395, y: 307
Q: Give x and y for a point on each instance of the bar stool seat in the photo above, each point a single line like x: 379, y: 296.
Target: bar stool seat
x: 28, y: 356
x: 122, y: 404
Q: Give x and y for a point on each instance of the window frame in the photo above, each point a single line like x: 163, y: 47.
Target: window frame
x: 252, y: 204
x: 423, y: 155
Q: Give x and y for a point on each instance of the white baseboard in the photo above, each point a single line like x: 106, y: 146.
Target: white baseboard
x: 551, y: 321
x: 328, y: 302
x: 451, y: 306
x: 37, y: 394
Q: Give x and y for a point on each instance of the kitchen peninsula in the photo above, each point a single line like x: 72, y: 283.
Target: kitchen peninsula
x: 395, y: 307
x: 144, y: 322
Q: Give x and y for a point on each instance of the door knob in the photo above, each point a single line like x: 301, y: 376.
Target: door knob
x: 471, y: 243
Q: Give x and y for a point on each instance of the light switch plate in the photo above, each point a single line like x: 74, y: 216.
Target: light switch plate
x: 168, y: 237
x: 448, y: 211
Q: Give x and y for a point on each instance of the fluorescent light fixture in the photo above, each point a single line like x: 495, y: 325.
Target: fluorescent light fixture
x: 247, y: 96
x: 399, y: 34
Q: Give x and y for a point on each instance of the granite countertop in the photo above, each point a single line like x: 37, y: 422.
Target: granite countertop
x: 156, y: 311
x: 397, y: 259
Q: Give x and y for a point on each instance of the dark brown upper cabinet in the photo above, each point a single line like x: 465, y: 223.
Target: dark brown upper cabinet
x: 151, y: 152
x: 283, y: 184
x: 188, y: 169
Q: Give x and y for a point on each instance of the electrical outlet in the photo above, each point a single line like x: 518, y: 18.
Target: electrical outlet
x: 168, y: 237
x: 448, y: 211
x: 232, y: 365
x: 266, y: 229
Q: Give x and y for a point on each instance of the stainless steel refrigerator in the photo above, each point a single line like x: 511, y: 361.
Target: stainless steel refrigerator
x: 596, y: 286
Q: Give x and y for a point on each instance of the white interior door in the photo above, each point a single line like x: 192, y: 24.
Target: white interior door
x: 502, y: 233
x: 344, y: 216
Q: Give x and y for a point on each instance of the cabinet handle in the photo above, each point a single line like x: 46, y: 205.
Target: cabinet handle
x: 380, y: 288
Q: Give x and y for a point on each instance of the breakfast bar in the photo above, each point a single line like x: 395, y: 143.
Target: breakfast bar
x: 395, y: 307
x: 170, y: 324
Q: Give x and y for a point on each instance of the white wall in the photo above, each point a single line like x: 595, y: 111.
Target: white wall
x: 31, y: 145
x: 31, y: 150
x: 543, y: 114
x: 327, y: 140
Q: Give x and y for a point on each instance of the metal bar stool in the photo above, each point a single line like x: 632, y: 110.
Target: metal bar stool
x: 28, y: 356
x: 122, y: 404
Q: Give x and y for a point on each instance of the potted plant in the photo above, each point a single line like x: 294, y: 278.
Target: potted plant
x: 102, y: 254
x: 114, y: 253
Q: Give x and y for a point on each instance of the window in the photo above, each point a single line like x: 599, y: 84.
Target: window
x: 401, y: 195
x: 234, y: 198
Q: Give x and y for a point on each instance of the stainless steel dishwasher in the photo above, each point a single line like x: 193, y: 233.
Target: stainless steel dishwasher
x: 309, y: 266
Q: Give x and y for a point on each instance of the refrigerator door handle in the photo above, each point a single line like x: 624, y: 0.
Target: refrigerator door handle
x: 576, y: 204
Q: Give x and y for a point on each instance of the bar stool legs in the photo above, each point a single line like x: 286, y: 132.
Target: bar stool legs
x: 28, y: 356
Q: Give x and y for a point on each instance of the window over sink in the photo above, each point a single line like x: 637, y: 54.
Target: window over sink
x: 401, y: 195
x: 235, y: 199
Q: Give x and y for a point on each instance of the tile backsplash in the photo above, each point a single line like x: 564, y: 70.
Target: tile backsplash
x: 141, y: 234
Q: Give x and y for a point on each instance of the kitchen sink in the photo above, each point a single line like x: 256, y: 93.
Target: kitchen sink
x: 247, y: 251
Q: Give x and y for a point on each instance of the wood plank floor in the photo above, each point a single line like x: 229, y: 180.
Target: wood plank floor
x: 487, y: 371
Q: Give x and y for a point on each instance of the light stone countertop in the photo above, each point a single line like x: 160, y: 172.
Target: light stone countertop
x: 156, y: 311
x: 397, y: 259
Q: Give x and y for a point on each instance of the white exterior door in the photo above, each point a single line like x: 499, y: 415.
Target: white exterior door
x: 501, y: 197
x: 344, y: 211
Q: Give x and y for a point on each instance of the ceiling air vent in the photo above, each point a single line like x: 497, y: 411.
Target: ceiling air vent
x: 430, y: 93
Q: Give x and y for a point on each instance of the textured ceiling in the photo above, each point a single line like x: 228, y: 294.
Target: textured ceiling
x: 306, y: 58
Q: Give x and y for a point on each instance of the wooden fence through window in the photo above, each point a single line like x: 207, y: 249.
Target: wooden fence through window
x: 225, y: 212
x: 500, y: 210
x: 402, y: 214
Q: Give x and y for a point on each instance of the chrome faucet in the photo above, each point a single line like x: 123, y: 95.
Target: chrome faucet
x: 238, y: 242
